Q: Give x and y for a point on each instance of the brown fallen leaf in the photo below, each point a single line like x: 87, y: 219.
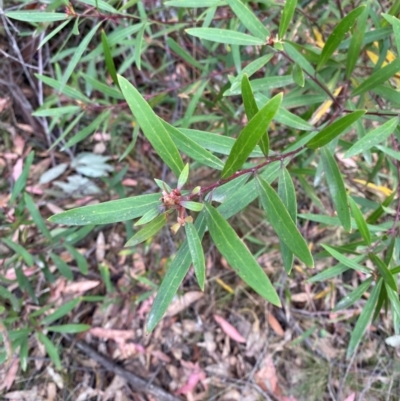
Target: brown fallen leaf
x: 275, y: 325
x: 229, y: 330
x: 181, y: 303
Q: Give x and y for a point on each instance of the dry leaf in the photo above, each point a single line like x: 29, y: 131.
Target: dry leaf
x: 181, y: 303
x: 275, y: 325
x: 100, y: 247
x: 351, y: 397
x: 266, y: 377
x: 10, y: 375
x: 229, y: 330
x: 80, y: 287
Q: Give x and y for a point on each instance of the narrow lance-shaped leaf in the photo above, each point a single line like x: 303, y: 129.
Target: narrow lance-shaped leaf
x: 78, y: 54
x: 352, y: 263
x: 250, y: 136
x: 196, y: 252
x: 287, y: 193
x: 36, y: 16
x: 108, y: 212
x: 146, y: 232
x: 360, y: 221
x: 330, y: 132
x: 336, y: 188
x: 396, y: 28
x: 354, y: 296
x: 51, y: 350
x: 251, y: 109
x: 21, y: 180
x: 378, y: 77
x: 109, y: 59
x: 183, y: 176
x: 383, y: 270
x: 298, y: 75
x: 287, y: 15
x: 225, y: 36
x: 338, y: 34
x: 373, y: 138
x: 364, y: 319
x: 151, y: 126
x: 248, y: 19
x: 282, y: 223
x: 238, y: 255
x: 356, y: 42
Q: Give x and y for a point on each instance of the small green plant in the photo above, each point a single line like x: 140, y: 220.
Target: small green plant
x: 308, y: 110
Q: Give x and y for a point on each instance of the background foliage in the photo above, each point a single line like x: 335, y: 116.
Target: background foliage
x: 186, y: 119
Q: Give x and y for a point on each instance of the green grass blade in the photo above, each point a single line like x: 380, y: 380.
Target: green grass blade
x: 363, y: 320
x: 60, y: 312
x: 151, y: 126
x: 250, y: 136
x: 238, y: 255
x: 248, y: 19
x: 146, y: 232
x: 282, y: 223
x: 352, y: 263
x: 225, y: 36
x: 338, y: 34
x: 360, y: 221
x: 19, y: 250
x: 108, y: 212
x: 330, y: 132
x: 183, y: 54
x: 197, y: 253
x: 79, y: 258
x: 21, y: 180
x: 51, y: 350
x: 394, y: 299
x: 373, y: 138
x: 336, y: 188
x: 62, y: 266
x: 36, y: 217
x: 71, y: 328
x: 378, y: 77
x: 286, y: 18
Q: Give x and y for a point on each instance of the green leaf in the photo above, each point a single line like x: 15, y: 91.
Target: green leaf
x: 336, y: 188
x: 363, y: 320
x: 287, y: 15
x: 394, y: 300
x: 78, y: 54
x: 250, y: 135
x: 396, y: 30
x: 148, y: 216
x: 360, y: 221
x: 352, y: 263
x: 383, y: 270
x: 69, y: 328
x: 378, y: 77
x: 109, y: 59
x: 183, y: 177
x: 354, y: 296
x: 282, y: 223
x: 61, y: 311
x: 197, y: 254
x: 338, y: 34
x: 21, y: 180
x: 146, y: 232
x: 192, y: 3
x: 108, y: 212
x: 356, y: 42
x: 225, y: 36
x: 183, y: 54
x: 238, y: 255
x: 373, y: 138
x: 195, y: 206
x: 248, y: 19
x: 36, y: 217
x: 20, y: 250
x: 36, y: 16
x: 6, y: 294
x: 151, y: 126
x: 51, y: 350
x: 287, y: 194
x: 62, y: 266
x: 80, y: 259
x: 138, y: 46
x: 173, y: 278
x: 192, y: 148
x: 298, y: 75
x: 330, y: 132
x: 251, y: 109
